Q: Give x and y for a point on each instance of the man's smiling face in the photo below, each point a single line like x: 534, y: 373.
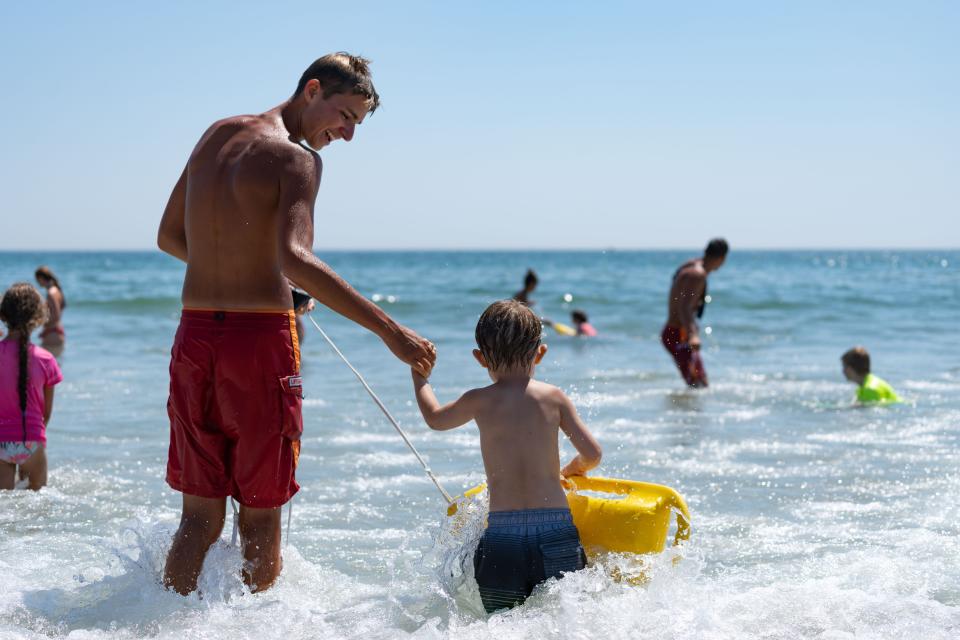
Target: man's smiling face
x: 333, y: 118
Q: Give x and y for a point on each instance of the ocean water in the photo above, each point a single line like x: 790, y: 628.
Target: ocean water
x: 812, y: 518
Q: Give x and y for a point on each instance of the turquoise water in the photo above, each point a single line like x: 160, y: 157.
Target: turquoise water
x: 812, y: 518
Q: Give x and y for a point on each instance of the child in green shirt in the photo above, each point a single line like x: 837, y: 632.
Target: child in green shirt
x: 870, y: 388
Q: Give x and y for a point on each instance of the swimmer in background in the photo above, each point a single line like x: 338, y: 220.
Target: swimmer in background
x: 870, y: 388
x: 530, y: 534
x: 688, y: 297
x: 530, y: 282
x: 52, y: 337
x: 582, y: 324
x: 28, y: 374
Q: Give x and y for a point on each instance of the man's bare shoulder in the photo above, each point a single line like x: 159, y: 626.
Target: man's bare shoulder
x: 692, y: 274
x: 225, y: 128
x: 694, y: 269
x: 264, y: 140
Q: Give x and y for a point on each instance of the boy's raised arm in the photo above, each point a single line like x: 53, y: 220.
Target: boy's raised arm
x: 440, y: 418
x: 588, y: 449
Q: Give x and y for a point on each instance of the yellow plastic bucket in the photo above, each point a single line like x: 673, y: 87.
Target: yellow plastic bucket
x: 634, y: 519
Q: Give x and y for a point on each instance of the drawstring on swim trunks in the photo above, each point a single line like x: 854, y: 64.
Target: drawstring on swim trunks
x: 426, y: 468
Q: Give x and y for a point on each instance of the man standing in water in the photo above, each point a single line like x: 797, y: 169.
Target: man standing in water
x: 241, y: 217
x: 688, y: 297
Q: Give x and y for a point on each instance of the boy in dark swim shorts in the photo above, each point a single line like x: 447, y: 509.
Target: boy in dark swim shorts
x: 235, y: 398
x: 530, y: 534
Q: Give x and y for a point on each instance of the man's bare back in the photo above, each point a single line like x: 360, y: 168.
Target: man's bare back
x: 232, y: 223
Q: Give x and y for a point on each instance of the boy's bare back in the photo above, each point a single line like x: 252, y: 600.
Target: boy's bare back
x: 518, y: 417
x: 519, y: 424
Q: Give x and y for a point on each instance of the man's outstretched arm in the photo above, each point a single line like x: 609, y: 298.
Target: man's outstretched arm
x: 172, y: 235
x: 298, y: 191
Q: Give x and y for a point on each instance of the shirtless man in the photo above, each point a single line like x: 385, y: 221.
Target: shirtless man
x: 241, y: 217
x: 688, y: 296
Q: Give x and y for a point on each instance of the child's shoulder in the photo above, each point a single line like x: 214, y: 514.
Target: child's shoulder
x: 547, y: 391
x: 42, y: 354
x: 47, y: 361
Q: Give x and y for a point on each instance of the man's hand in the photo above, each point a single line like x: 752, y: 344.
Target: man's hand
x: 306, y: 308
x: 412, y: 349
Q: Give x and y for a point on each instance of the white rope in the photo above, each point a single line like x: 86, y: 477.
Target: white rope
x: 236, y: 523
x: 446, y: 496
x: 289, y: 518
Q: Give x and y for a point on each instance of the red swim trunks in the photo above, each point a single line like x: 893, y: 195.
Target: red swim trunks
x: 235, y: 399
x: 688, y: 360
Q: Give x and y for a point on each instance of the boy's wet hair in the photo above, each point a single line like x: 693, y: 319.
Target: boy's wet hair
x: 342, y: 72
x: 716, y: 248
x: 578, y: 316
x: 508, y: 335
x: 857, y: 359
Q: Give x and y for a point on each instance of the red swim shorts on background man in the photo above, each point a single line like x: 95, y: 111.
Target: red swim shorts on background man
x: 235, y: 402
x: 688, y: 360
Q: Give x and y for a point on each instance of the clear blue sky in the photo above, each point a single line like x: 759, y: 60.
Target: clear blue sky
x: 505, y: 124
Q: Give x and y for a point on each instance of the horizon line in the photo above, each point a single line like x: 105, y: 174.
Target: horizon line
x: 733, y: 249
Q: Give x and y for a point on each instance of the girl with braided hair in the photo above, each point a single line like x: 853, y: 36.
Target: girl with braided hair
x: 52, y: 338
x: 27, y: 376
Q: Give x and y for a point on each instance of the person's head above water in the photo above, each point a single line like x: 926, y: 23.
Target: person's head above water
x: 578, y: 316
x: 530, y: 280
x: 333, y: 96
x: 509, y: 339
x: 856, y: 364
x: 715, y: 254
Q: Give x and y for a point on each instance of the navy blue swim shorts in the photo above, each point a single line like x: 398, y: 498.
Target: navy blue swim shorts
x: 521, y: 549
